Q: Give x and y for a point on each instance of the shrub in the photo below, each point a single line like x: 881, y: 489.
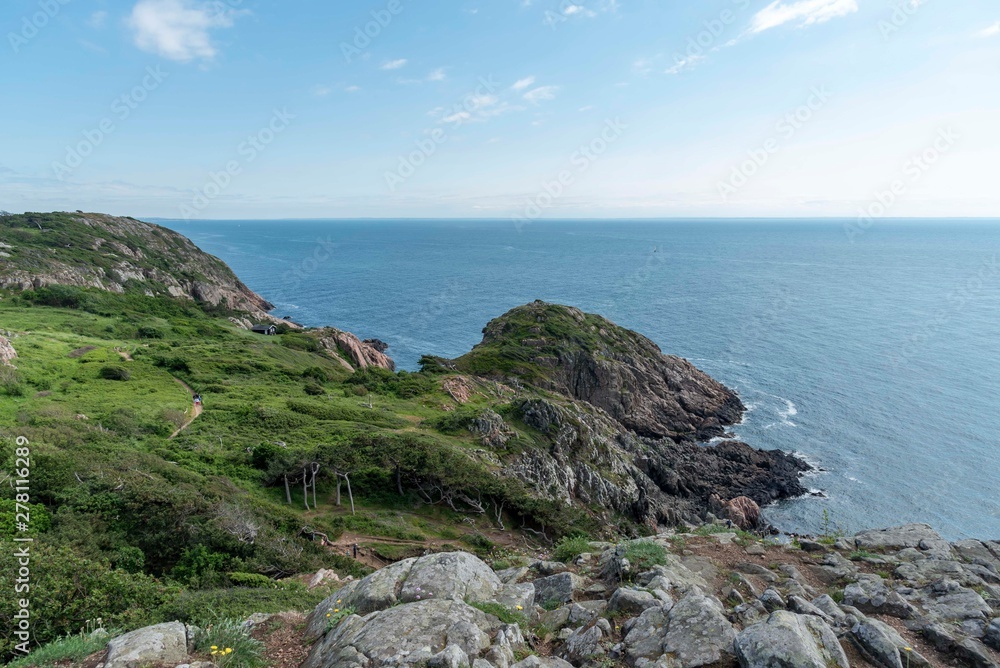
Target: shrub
x: 314, y: 389
x: 39, y: 519
x: 114, y: 373
x: 252, y: 580
x: 644, y: 554
x: 68, y: 589
x: 570, y: 548
x: 204, y: 606
x: 230, y: 645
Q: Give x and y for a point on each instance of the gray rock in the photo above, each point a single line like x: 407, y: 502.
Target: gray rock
x: 458, y: 576
x: 559, y: 588
x: 920, y: 536
x: 831, y: 609
x: 631, y: 602
x: 788, y: 640
x: 812, y: 546
x: 870, y: 594
x: 585, y: 611
x: 804, y: 607
x: 513, y: 595
x: 883, y: 646
x: 555, y: 619
x: 546, y: 568
x: 992, y: 635
x: 644, y: 635
x: 451, y: 656
x: 404, y: 634
x: 977, y: 552
x: 161, y: 643
x: 510, y: 575
x: 955, y: 603
x: 772, y: 600
x: 698, y: 633
x: 542, y: 662
x: 584, y: 644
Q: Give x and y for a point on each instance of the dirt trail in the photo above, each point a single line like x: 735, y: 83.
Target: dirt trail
x: 196, y: 408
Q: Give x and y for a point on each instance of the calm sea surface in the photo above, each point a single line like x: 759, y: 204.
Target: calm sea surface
x: 878, y: 360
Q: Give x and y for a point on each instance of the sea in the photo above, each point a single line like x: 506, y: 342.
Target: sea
x: 870, y: 348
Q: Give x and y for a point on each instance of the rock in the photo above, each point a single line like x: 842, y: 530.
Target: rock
x: 451, y: 656
x: 542, y: 662
x: 559, y: 588
x: 360, y: 354
x: 513, y: 595
x: 323, y: 576
x: 956, y: 603
x: 772, y: 600
x: 920, y: 536
x: 788, y: 640
x: 870, y: 594
x: 7, y: 352
x: 458, y: 576
x: 545, y: 568
x: 698, y: 633
x: 510, y: 575
x: 812, y: 546
x: 882, y: 645
x: 408, y: 633
x: 452, y: 575
x: 991, y: 636
x: 755, y: 549
x: 584, y: 644
x: 742, y: 511
x: 831, y: 609
x: 644, y: 635
x: 161, y: 643
x: 804, y: 607
x: 631, y: 602
x: 977, y: 552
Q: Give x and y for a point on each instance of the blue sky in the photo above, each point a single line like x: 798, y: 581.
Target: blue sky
x: 501, y: 108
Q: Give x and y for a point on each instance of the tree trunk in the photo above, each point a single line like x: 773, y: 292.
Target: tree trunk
x: 338, y: 489
x: 305, y: 488
x: 349, y: 494
x: 288, y: 491
x: 315, y: 470
x: 399, y: 481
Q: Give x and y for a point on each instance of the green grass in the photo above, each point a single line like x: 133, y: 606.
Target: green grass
x: 74, y: 648
x: 644, y: 554
x: 229, y: 645
x: 501, y: 612
x: 570, y: 547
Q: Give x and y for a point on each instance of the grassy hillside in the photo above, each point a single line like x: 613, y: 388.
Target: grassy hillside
x: 98, y: 391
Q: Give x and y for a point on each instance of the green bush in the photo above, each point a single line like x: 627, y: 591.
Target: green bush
x: 39, y: 519
x: 202, y: 607
x: 570, y: 547
x: 644, y: 554
x: 67, y: 590
x: 114, y: 373
x: 252, y: 580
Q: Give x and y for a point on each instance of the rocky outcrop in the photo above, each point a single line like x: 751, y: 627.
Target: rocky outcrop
x: 360, y: 354
x: 788, y: 640
x: 118, y: 254
x: 594, y: 461
x: 7, y: 352
x: 587, y: 357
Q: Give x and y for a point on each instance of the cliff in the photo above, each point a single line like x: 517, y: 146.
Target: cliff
x: 118, y: 255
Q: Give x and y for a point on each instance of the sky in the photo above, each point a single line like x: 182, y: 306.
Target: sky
x: 527, y: 109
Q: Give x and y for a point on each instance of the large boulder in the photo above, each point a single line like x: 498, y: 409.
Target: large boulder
x: 694, y: 632
x: 871, y: 595
x: 456, y: 576
x: 559, y: 588
x: 919, y: 536
x: 882, y: 645
x: 162, y: 643
x: 788, y: 640
x: 408, y: 634
x: 992, y: 636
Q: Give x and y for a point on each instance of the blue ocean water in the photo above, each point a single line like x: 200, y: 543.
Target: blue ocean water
x: 877, y: 359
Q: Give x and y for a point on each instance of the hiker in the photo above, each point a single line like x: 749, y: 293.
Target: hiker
x: 355, y: 550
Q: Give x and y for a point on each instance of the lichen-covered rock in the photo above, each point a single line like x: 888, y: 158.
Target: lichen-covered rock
x: 881, y: 644
x: 7, y: 352
x: 698, y: 633
x: 788, y: 640
x: 871, y: 595
x: 161, y: 643
x: 631, y: 602
x: 919, y: 536
x: 405, y: 634
x: 559, y: 588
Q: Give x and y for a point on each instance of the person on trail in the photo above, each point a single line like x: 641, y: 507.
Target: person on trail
x: 355, y: 550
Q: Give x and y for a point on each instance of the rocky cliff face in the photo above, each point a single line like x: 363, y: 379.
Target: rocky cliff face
x: 360, y: 354
x: 116, y: 254
x: 587, y: 357
x: 625, y: 435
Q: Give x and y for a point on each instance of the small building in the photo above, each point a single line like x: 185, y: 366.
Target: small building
x: 267, y: 330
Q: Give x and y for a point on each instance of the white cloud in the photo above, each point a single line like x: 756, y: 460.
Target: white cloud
x: 394, y: 64
x: 803, y: 12
x: 991, y: 31
x: 178, y: 29
x: 521, y: 84
x: 321, y: 90
x: 352, y: 89
x: 437, y: 75
x: 97, y: 19
x: 541, y: 93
